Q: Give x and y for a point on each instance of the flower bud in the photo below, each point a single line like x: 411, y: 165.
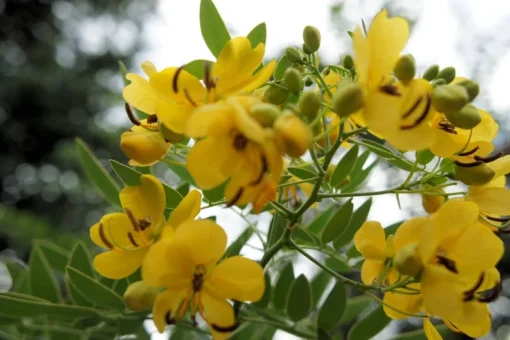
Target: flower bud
x: 293, y: 55
x: 407, y: 260
x: 310, y: 104
x: 292, y: 80
x: 326, y: 71
x: 139, y: 296
x: 466, y: 118
x: 474, y: 175
x: 308, y: 81
x: 431, y: 203
x: 431, y: 73
x: 312, y: 39
x: 265, y: 113
x: 142, y: 146
x: 347, y: 99
x: 276, y: 95
x: 449, y: 97
x: 472, y: 88
x: 306, y: 49
x: 171, y: 136
x: 448, y: 74
x: 405, y: 68
x: 292, y: 135
x: 438, y: 81
x: 348, y: 62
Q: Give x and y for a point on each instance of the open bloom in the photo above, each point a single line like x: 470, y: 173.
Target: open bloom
x: 173, y: 93
x: 186, y: 265
x: 128, y: 235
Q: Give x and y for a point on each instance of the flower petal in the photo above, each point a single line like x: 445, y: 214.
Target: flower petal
x: 441, y: 292
x: 475, y: 329
x: 211, y: 120
x: 140, y: 94
x: 409, y: 232
x: 187, y: 209
x: 166, y: 305
x: 486, y: 130
x: 370, y: 240
x: 117, y: 265
x: 146, y: 200
x: 206, y: 241
x: 246, y: 124
x: 113, y: 231
x: 237, y: 278
x: 218, y: 313
x: 142, y: 146
x: 174, y: 115
x: 409, y: 304
x: 371, y: 270
x: 431, y: 331
x: 492, y: 200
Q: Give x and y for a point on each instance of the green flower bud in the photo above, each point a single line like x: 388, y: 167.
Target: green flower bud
x: 310, y: 104
x: 405, y: 68
x: 448, y: 74
x: 292, y: 80
x: 437, y: 82
x: 449, y: 98
x: 308, y: 81
x: 276, y: 95
x: 407, y: 260
x: 472, y: 88
x: 312, y: 39
x: 293, y: 55
x: 139, y: 296
x: 431, y: 73
x: 169, y: 135
x: 347, y: 99
x: 265, y: 113
x: 474, y: 175
x: 348, y: 62
x: 466, y: 118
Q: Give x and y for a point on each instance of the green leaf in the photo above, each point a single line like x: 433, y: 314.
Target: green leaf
x: 369, y: 325
x: 42, y: 281
x: 281, y: 289
x: 424, y: 157
x: 213, y: 28
x: 354, y: 307
x: 378, y: 149
x: 197, y: 67
x: 323, y: 335
x: 183, y: 189
x: 120, y: 286
x: 80, y: 259
x: 123, y: 71
x: 77, y: 297
x: 320, y: 221
x: 392, y: 228
x: 97, y: 174
x: 215, y: 194
x: 302, y: 173
x: 238, y: 244
x: 181, y: 333
x: 276, y: 229
x: 338, y: 223
x: 401, y: 164
x: 344, y: 167
x: 337, y: 264
x: 333, y: 308
x: 266, y: 298
x: 131, y: 177
x: 283, y: 64
x: 447, y: 165
x: 318, y: 285
x: 94, y: 291
x: 181, y: 171
x: 56, y: 255
x: 299, y: 301
x: 257, y: 35
x: 17, y: 307
x: 358, y: 218
x: 302, y: 236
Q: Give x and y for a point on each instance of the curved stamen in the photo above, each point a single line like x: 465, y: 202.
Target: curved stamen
x: 447, y: 263
x: 470, y: 294
x: 131, y: 115
x: 390, y: 89
x: 236, y: 198
x: 103, y: 238
x: 262, y: 172
x: 188, y: 97
x: 489, y: 159
x: 176, y: 79
x: 168, y: 318
x: 132, y: 240
x: 421, y: 118
x: 446, y: 126
x: 208, y: 81
x: 225, y: 329
x: 498, y: 219
x: 468, y: 165
x: 132, y: 218
x: 411, y: 110
x: 467, y: 153
x: 491, y: 294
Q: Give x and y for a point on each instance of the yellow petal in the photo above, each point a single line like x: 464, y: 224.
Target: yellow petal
x: 371, y: 270
x: 501, y: 166
x: 140, y: 94
x: 431, y: 331
x: 143, y: 146
x: 475, y: 329
x: 370, y: 240
x: 491, y: 279
x: 440, y: 291
x: 409, y: 232
x: 237, y: 278
x: 211, y: 120
x: 189, y: 88
x: 206, y: 241
x: 166, y: 305
x: 187, y: 209
x: 219, y: 314
x: 145, y: 201
x: 117, y: 265
x: 409, y: 304
x: 174, y: 115
x: 492, y: 200
x: 486, y: 130
x: 381, y: 112
x: 149, y: 68
x: 246, y: 124
x: 113, y: 231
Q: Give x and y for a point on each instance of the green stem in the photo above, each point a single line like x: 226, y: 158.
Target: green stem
x: 280, y: 325
x: 268, y: 255
x: 397, y: 190
x: 281, y: 209
x: 288, y: 184
x: 316, y: 161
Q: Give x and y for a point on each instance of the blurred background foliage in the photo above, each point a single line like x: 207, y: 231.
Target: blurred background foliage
x: 60, y: 80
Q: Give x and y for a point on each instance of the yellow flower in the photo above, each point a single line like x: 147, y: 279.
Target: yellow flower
x: 186, y: 265
x: 144, y: 145
x: 236, y: 147
x: 128, y: 235
x: 173, y: 93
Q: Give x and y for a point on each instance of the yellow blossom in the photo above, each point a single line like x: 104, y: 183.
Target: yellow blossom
x: 186, y: 265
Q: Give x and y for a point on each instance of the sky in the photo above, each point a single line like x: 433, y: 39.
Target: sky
x: 442, y: 35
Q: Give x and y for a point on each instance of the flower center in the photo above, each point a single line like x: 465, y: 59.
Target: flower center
x: 446, y: 126
x: 240, y: 142
x: 446, y: 262
x: 198, y: 278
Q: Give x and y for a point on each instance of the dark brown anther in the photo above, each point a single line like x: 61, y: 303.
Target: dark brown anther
x: 198, y: 278
x: 145, y: 223
x: 240, y: 142
x: 151, y: 119
x: 447, y: 263
x: 175, y: 80
x: 131, y: 115
x: 446, y: 126
x: 225, y: 329
x: 103, y: 238
x: 470, y: 294
x: 262, y: 172
x: 390, y: 89
x: 498, y: 219
x: 132, y: 240
x: 236, y: 198
x: 168, y: 318
x: 208, y: 81
x: 489, y: 159
x: 188, y: 97
x: 132, y: 219
x: 411, y: 110
x: 491, y: 294
x: 421, y: 118
x: 468, y: 165
x: 467, y: 153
